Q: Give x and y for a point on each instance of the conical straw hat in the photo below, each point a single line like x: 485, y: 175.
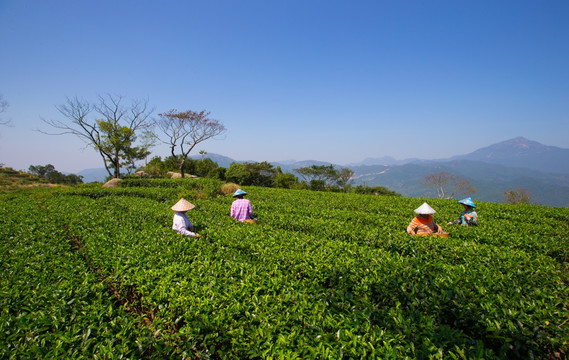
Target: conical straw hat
x: 467, y: 201
x: 183, y: 205
x: 239, y: 192
x: 425, y: 209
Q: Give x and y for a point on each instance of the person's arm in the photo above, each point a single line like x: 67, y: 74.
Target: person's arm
x: 471, y: 219
x: 455, y: 222
x: 412, y: 228
x: 250, y: 209
x: 438, y: 229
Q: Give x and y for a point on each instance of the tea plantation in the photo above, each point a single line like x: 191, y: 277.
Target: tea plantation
x: 94, y: 273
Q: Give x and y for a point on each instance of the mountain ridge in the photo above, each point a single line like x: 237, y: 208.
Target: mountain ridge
x: 515, y: 163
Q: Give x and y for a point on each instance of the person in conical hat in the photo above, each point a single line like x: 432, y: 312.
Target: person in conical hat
x: 181, y: 222
x: 468, y: 217
x: 423, y: 223
x: 241, y: 208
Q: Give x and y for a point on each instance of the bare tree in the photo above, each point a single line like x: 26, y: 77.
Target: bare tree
x: 448, y: 185
x: 114, y: 135
x: 517, y: 196
x: 184, y: 130
x: 3, y: 107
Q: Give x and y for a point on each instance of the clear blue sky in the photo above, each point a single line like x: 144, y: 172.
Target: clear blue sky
x: 335, y: 81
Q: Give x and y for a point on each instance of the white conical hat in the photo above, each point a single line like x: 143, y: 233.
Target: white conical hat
x: 183, y: 205
x: 425, y: 209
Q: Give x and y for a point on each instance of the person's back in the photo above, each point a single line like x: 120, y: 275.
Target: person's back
x: 241, y: 209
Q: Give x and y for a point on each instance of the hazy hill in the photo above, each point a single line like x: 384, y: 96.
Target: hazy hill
x: 491, y: 180
x: 93, y: 175
x: 521, y: 152
x: 221, y: 160
x: 512, y: 164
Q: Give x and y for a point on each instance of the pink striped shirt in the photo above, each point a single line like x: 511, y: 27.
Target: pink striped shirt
x: 241, y: 209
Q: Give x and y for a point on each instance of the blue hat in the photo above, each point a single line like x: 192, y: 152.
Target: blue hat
x: 467, y: 201
x: 239, y: 192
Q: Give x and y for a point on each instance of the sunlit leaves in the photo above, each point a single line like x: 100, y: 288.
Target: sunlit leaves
x: 322, y: 275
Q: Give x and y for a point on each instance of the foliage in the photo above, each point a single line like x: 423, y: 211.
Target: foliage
x: 186, y: 187
x: 252, y: 173
x: 237, y: 173
x: 209, y: 168
x: 203, y: 167
x: 343, y: 178
x: 444, y: 180
x: 118, y: 142
x: 374, y: 190
x: 156, y: 167
x: 53, y: 176
x: 285, y: 180
x: 114, y: 134
x: 317, y: 172
x: 518, y: 196
x: 260, y: 173
x: 90, y: 272
x: 11, y: 179
x: 322, y: 177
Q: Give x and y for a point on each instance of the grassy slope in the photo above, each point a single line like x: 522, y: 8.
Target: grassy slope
x: 323, y: 275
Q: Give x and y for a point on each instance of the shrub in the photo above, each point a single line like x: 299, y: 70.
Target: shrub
x: 229, y: 188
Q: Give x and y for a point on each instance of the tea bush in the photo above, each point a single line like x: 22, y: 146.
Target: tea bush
x: 94, y: 272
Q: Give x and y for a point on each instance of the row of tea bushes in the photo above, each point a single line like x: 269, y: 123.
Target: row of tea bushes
x: 53, y: 305
x: 323, y: 275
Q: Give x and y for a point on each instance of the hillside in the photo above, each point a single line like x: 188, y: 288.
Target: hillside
x: 509, y: 165
x: 491, y: 180
x: 11, y: 179
x: 92, y: 272
x: 521, y: 152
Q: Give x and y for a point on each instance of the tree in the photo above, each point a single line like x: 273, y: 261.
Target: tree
x: 53, y: 176
x: 517, y: 196
x: 114, y: 135
x: 205, y: 166
x: 448, y: 185
x: 185, y: 130
x: 256, y: 174
x: 284, y: 180
x: 261, y: 173
x: 40, y: 170
x: 3, y: 107
x: 374, y: 190
x: 155, y: 167
x: 321, y: 176
x: 318, y: 174
x: 344, y: 176
x: 237, y: 173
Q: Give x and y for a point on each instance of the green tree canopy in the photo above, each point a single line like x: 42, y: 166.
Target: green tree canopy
x: 48, y: 173
x: 113, y: 133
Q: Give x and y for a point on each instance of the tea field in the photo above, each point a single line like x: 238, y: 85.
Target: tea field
x: 97, y: 273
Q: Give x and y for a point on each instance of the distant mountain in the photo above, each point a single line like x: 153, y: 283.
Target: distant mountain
x: 93, y: 175
x: 289, y: 166
x: 386, y: 160
x: 491, y: 180
x: 221, y: 160
x: 509, y: 165
x: 521, y: 152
